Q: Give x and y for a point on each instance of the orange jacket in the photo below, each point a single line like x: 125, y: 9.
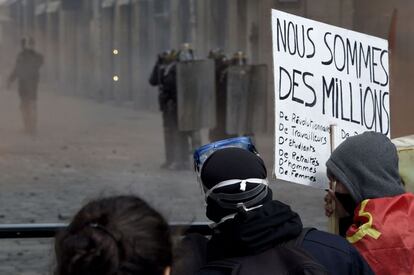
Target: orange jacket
x: 383, y: 232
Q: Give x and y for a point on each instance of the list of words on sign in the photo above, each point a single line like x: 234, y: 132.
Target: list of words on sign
x: 324, y: 75
x: 302, y: 137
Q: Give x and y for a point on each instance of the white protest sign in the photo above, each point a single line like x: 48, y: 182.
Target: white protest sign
x: 324, y: 75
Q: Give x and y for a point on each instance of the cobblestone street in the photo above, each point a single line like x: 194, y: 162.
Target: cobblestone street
x: 85, y: 150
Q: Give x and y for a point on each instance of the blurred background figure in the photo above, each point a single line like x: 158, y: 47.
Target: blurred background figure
x: 26, y: 72
x: 115, y: 235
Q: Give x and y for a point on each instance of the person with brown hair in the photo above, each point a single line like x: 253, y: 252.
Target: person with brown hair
x: 119, y: 235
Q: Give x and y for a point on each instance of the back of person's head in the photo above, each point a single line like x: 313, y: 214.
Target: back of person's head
x: 119, y: 235
x: 367, y: 164
x: 234, y: 180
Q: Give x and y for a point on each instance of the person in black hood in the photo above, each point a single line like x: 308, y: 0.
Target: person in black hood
x: 364, y: 167
x: 375, y: 213
x: 247, y: 221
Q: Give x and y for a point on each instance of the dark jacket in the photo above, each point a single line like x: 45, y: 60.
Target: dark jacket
x: 164, y: 76
x: 156, y: 74
x: 335, y: 253
x: 27, y: 67
x: 264, y: 228
x: 26, y: 71
x: 169, y: 80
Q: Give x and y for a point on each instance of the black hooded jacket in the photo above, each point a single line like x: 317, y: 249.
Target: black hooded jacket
x: 163, y: 75
x: 262, y: 229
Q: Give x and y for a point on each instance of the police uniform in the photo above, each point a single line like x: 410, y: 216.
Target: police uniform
x: 176, y: 144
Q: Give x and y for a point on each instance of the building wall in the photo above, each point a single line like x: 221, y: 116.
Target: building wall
x: 377, y: 22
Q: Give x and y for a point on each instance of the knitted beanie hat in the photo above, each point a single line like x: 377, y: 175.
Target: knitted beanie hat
x: 233, y: 164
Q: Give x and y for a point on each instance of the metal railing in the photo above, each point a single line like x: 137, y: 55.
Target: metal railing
x: 49, y: 230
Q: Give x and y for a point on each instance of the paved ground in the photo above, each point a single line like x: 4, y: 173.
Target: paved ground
x: 86, y: 150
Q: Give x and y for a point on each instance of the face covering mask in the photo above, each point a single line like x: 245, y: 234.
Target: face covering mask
x: 349, y: 205
x: 343, y: 224
x: 347, y: 202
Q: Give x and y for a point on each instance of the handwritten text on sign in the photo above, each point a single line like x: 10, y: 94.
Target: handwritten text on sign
x: 324, y: 75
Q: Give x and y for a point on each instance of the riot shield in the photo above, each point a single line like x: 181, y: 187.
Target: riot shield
x: 257, y: 107
x: 238, y: 79
x: 246, y: 99
x: 196, y: 95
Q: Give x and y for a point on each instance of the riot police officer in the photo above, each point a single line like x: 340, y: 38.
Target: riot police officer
x: 163, y: 76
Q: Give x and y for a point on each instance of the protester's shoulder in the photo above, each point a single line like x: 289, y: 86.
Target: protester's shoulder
x: 329, y: 241
x: 335, y: 253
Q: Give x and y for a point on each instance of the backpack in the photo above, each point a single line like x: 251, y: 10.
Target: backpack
x: 285, y: 259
